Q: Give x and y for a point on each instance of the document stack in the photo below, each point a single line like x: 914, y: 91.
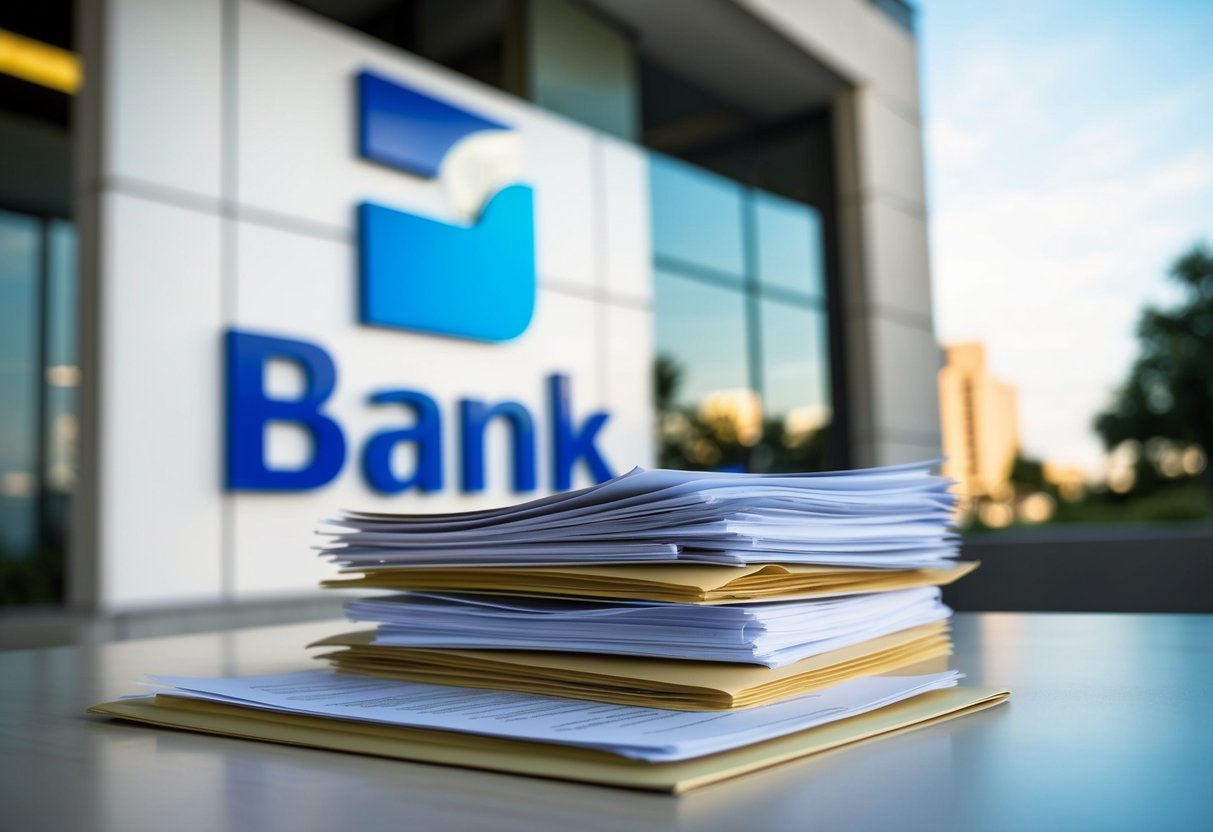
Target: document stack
x: 665, y: 589
x: 583, y: 635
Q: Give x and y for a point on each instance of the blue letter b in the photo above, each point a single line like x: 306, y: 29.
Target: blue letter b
x: 249, y: 412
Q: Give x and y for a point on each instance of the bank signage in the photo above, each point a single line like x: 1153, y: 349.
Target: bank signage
x: 470, y: 281
x: 473, y: 279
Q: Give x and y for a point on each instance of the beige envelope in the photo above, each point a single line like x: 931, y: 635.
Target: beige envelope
x: 628, y: 680
x: 686, y: 583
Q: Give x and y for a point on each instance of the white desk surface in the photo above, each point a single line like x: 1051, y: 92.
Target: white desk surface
x: 1110, y: 727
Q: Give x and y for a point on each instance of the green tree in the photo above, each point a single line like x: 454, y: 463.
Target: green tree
x: 1169, y: 391
x: 667, y: 376
x: 1028, y: 474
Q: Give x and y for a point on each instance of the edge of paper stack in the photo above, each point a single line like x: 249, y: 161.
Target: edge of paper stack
x: 582, y: 636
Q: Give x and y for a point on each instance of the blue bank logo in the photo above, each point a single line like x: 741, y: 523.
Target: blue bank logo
x: 470, y: 281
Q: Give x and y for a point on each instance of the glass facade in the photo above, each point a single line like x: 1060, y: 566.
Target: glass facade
x: 38, y: 310
x: 581, y: 66
x: 38, y: 379
x: 742, y: 367
x: 20, y: 242
x: 788, y: 244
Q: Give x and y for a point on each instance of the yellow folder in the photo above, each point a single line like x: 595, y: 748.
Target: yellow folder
x: 628, y: 680
x: 543, y: 760
x: 687, y: 583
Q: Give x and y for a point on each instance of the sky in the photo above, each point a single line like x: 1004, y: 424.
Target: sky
x: 1069, y: 152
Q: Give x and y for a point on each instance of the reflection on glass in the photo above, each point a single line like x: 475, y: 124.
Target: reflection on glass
x: 61, y: 377
x: 20, y: 255
x: 795, y: 387
x: 789, y: 245
x: 582, y: 67
x: 743, y: 367
x: 707, y: 416
x: 697, y: 217
x: 39, y: 375
x: 703, y: 331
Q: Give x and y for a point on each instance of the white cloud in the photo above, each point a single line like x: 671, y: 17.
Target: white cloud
x: 1051, y: 274
x: 959, y: 145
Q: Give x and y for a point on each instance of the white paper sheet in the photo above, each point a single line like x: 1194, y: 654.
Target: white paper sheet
x: 650, y: 734
x: 772, y: 633
x: 894, y: 517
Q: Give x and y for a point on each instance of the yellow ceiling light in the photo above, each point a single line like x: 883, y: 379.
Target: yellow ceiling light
x: 39, y: 63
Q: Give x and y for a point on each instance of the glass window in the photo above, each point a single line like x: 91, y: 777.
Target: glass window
x: 697, y: 218
x: 38, y: 379
x: 37, y: 314
x: 703, y: 333
x: 708, y: 414
x: 743, y: 365
x: 796, y: 398
x: 62, y: 376
x: 789, y: 245
x: 582, y: 67
x: 20, y: 266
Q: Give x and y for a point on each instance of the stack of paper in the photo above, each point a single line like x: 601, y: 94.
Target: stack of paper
x: 571, y: 636
x: 883, y: 517
x: 659, y: 587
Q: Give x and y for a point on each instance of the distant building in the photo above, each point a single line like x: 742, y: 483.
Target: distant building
x: 980, y: 420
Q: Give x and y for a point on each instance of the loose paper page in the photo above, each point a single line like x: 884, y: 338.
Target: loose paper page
x: 649, y: 734
x: 544, y: 760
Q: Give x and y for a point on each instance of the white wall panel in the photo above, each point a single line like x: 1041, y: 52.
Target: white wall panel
x: 906, y: 361
x: 159, y: 486
x: 300, y: 286
x: 558, y: 159
x: 298, y: 138
x: 296, y: 119
x: 627, y: 224
x: 895, y: 250
x: 629, y: 381
x: 890, y: 151
x: 162, y: 96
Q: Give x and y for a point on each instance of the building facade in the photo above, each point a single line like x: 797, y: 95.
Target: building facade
x: 433, y: 256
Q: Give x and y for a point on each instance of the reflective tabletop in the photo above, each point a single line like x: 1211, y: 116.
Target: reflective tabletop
x: 1110, y: 726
